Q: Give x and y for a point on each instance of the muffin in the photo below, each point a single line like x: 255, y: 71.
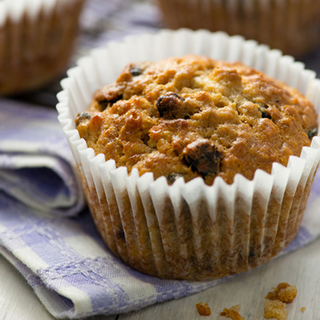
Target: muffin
x: 36, y: 41
x: 289, y: 25
x: 194, y: 166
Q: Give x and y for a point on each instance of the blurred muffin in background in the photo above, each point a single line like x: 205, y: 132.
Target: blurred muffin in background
x: 293, y: 26
x: 36, y: 41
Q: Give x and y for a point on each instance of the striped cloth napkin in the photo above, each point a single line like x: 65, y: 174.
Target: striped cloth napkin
x: 35, y: 160
x: 50, y: 238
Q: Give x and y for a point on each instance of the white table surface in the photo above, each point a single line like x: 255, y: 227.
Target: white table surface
x: 300, y: 268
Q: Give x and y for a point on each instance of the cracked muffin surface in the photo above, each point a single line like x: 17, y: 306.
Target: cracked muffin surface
x: 195, y: 117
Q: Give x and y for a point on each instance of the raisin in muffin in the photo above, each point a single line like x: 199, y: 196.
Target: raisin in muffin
x: 170, y: 155
x: 194, y: 117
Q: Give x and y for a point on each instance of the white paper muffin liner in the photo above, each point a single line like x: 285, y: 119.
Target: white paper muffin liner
x: 36, y: 41
x: 292, y: 26
x: 189, y: 230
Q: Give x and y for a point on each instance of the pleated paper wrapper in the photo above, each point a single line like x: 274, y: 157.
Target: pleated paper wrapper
x: 189, y: 230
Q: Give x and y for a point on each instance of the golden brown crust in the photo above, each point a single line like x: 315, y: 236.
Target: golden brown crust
x: 194, y: 117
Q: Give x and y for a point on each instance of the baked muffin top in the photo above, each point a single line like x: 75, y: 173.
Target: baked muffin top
x: 192, y: 117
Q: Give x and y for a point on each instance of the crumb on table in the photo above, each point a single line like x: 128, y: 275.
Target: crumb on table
x: 283, y: 292
x: 275, y: 309
x: 303, y: 309
x: 232, y: 313
x: 203, y: 310
x: 275, y: 305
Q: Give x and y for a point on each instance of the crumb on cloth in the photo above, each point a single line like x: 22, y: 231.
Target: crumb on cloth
x: 203, y: 310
